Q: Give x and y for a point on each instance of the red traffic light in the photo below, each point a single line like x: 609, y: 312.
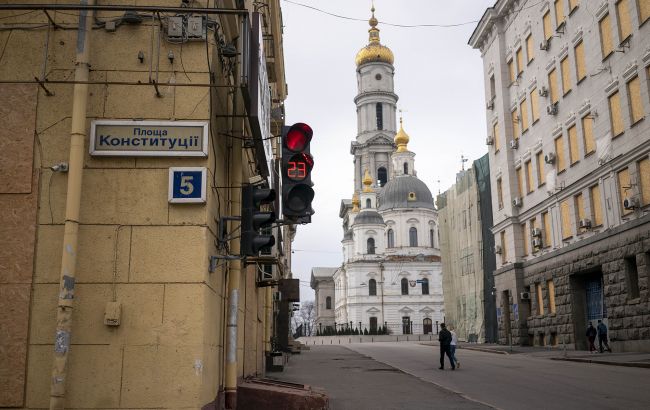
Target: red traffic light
x: 298, y: 136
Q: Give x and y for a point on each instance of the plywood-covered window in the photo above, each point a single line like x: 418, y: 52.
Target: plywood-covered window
x: 606, y: 41
x: 546, y: 22
x: 624, y: 188
x: 546, y: 224
x: 615, y: 114
x: 530, y: 186
x: 550, y: 288
x: 552, y: 85
x: 595, y: 204
x: 624, y: 20
x: 644, y: 173
x: 573, y: 4
x: 540, y: 299
x: 520, y: 181
x: 523, y: 113
x: 581, y: 68
x: 530, y: 48
x: 520, y: 61
x: 634, y: 97
x: 534, y: 104
x: 559, y: 12
x: 588, y: 134
x: 644, y: 10
x: 500, y: 193
x: 574, y: 154
x: 525, y: 238
x: 511, y: 70
x: 560, y: 160
x: 504, y: 253
x: 515, y: 123
x: 566, y: 77
x: 495, y: 136
x: 541, y: 172
x: 565, y: 218
x: 579, y: 206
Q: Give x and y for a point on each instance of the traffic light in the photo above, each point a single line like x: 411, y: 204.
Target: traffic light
x: 297, y: 163
x: 252, y: 220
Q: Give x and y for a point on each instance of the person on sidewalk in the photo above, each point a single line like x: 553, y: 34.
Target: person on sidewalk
x: 591, y: 336
x: 452, y: 346
x: 602, y: 336
x: 444, y: 337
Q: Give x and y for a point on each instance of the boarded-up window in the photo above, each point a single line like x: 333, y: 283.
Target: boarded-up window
x: 606, y: 42
x: 550, y: 287
x: 572, y: 5
x: 624, y: 188
x: 523, y: 113
x: 644, y: 10
x: 540, y: 299
x: 616, y: 118
x: 588, y: 134
x: 546, y: 21
x: 495, y: 135
x: 596, y: 207
x: 520, y: 181
x: 546, y: 224
x: 581, y: 69
x: 559, y: 12
x: 530, y: 48
x: 565, y: 218
x: 500, y: 193
x: 534, y: 103
x: 524, y: 236
x: 504, y: 256
x: 530, y: 187
x: 566, y: 77
x: 559, y: 154
x: 574, y: 155
x: 515, y: 124
x: 634, y: 96
x: 624, y: 20
x: 644, y: 173
x: 580, y: 206
x: 541, y: 172
x: 520, y: 61
x: 511, y: 70
x: 552, y: 85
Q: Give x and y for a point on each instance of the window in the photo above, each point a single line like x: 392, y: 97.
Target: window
x: 371, y: 246
x: 644, y: 172
x: 541, y: 173
x: 616, y: 119
x: 588, y: 134
x: 530, y: 185
x: 511, y: 70
x: 504, y: 253
x: 559, y: 154
x: 533, y: 225
x: 606, y: 42
x: 579, y: 207
x: 546, y: 224
x: 581, y: 69
x: 559, y: 13
x: 368, y: 203
x: 382, y: 176
x: 406, y: 168
x: 328, y: 302
x: 550, y: 287
x: 405, y: 286
x: 427, y: 325
x: 493, y: 88
x: 523, y: 112
x: 574, y: 154
x: 644, y: 10
x: 552, y: 85
x: 566, y: 78
x: 520, y: 61
x: 631, y: 278
x: 530, y: 48
x: 431, y: 238
x: 515, y: 124
x: 624, y: 20
x: 540, y: 300
x: 495, y: 135
x: 546, y: 22
x: 565, y: 218
x: 425, y: 286
x: 596, y: 209
x: 391, y: 238
x: 499, y: 193
x: 524, y: 236
x: 573, y: 4
x: 407, y: 325
x: 372, y: 287
x: 373, y: 325
x: 520, y: 182
x: 413, y: 236
x: 379, y: 108
x: 534, y: 104
x: 634, y: 96
x: 624, y: 187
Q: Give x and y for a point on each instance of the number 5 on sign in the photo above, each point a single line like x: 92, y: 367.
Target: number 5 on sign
x: 187, y: 185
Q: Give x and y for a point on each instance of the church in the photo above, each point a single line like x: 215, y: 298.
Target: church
x: 391, y: 273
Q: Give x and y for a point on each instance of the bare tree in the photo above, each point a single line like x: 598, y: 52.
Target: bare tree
x: 307, y: 315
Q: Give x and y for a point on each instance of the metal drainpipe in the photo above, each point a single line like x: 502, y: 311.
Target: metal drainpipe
x: 268, y: 298
x: 73, y: 203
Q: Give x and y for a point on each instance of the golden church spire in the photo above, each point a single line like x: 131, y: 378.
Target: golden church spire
x: 401, y: 138
x: 367, y: 182
x: 374, y: 51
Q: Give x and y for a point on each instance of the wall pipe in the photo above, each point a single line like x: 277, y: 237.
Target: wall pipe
x: 73, y: 204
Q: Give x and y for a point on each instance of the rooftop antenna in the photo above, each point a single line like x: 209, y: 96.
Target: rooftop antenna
x: 463, y: 160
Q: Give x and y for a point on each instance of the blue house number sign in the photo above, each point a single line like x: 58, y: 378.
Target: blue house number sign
x: 187, y: 185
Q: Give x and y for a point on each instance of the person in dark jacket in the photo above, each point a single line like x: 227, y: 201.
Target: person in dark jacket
x: 444, y: 337
x: 602, y: 336
x: 591, y: 336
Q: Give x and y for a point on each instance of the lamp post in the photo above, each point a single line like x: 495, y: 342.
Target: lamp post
x: 359, y: 327
x: 320, y: 329
x: 386, y: 327
x: 436, y: 327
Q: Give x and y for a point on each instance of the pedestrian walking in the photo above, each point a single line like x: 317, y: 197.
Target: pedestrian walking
x: 602, y: 336
x: 444, y: 337
x: 591, y: 336
x: 452, y: 347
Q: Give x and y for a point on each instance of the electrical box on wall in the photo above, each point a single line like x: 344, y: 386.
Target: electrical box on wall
x: 112, y: 314
x: 196, y: 28
x: 175, y: 27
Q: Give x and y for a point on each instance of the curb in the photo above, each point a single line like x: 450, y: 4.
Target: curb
x: 623, y: 364
x: 478, y: 349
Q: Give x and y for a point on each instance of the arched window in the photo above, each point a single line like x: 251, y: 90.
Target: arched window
x: 431, y: 237
x: 368, y: 203
x: 413, y: 237
x: 427, y: 324
x: 425, y: 286
x: 328, y: 302
x: 391, y: 238
x: 382, y: 176
x: 380, y: 116
x: 405, y: 286
x: 372, y: 287
x: 406, y: 168
x: 371, y: 245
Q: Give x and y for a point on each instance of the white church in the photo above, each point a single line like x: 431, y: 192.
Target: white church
x: 391, y: 271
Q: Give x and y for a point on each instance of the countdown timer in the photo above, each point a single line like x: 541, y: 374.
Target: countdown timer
x: 299, y: 166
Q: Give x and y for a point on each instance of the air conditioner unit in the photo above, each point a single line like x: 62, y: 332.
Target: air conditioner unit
x: 490, y: 104
x: 489, y: 141
x: 497, y: 249
x: 584, y: 223
x: 537, y: 242
x: 551, y: 109
x: 630, y: 203
x: 543, y: 91
x: 536, y: 232
x: 518, y: 202
x: 549, y: 158
x: 524, y: 296
x: 543, y: 45
x: 514, y: 144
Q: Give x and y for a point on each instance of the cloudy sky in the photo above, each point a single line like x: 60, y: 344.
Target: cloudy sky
x: 438, y: 78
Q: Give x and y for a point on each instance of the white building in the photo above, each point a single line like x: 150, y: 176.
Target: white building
x: 391, y: 272
x: 322, y: 281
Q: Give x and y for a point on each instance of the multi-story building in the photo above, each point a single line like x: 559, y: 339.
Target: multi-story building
x: 114, y: 294
x: 466, y: 251
x: 322, y: 281
x: 566, y: 84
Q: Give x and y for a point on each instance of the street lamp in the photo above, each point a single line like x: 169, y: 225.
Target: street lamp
x: 359, y: 326
x: 436, y: 327
x: 320, y: 329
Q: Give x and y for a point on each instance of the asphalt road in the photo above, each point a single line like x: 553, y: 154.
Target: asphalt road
x: 519, y: 381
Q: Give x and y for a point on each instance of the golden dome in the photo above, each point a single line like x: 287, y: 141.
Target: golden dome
x: 355, y: 202
x: 367, y: 182
x: 401, y: 138
x: 374, y: 51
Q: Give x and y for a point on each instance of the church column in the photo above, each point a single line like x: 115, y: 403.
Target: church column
x: 373, y: 168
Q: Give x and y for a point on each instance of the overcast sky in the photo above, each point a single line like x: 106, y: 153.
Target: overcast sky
x: 438, y: 78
